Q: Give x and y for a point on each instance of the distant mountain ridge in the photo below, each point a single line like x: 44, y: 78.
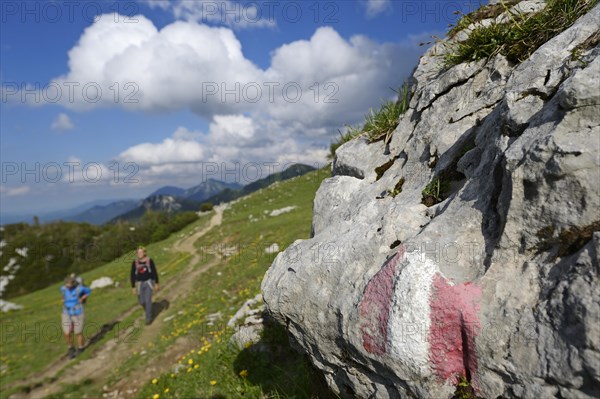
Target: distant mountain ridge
x: 208, y: 188
x: 75, y: 213
x: 199, y: 192
x: 101, y: 214
x: 158, y: 203
x: 174, y: 199
x: 169, y: 190
x: 212, y: 191
x: 164, y: 199
x: 232, y: 194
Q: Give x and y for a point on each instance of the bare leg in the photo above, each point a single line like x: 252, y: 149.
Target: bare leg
x: 68, y: 339
x: 80, y: 340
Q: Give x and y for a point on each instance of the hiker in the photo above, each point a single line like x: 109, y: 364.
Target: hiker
x: 144, y: 279
x: 73, y: 298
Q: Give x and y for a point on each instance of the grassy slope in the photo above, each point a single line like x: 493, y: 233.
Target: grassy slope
x: 224, y: 289
x: 31, y: 338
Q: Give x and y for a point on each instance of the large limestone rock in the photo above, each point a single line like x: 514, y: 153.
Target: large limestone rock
x: 498, y: 283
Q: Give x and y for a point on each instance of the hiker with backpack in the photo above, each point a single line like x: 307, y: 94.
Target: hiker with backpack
x: 74, y: 296
x: 144, y: 279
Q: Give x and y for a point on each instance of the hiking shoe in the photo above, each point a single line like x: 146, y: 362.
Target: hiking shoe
x: 71, y: 352
x: 148, y: 322
x: 78, y: 352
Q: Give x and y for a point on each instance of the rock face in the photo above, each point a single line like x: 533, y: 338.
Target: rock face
x: 497, y: 284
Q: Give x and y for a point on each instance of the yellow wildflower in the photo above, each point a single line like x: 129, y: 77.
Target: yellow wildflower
x: 155, y: 381
x: 213, y: 382
x: 244, y: 373
x: 156, y: 396
x: 190, y: 362
x: 167, y: 390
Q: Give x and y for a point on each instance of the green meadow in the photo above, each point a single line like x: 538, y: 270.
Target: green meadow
x: 188, y: 353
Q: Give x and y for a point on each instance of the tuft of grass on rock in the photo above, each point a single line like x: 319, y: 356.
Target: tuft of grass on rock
x: 484, y: 12
x: 397, y: 188
x: 381, y: 124
x: 518, y: 38
x: 378, y: 124
x: 589, y: 43
x: 464, y: 390
x: 435, y: 192
x: 441, y: 186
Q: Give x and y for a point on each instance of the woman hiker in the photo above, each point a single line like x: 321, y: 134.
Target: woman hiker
x: 144, y: 279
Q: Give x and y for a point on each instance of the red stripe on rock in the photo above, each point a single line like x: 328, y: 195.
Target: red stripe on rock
x: 454, y: 325
x: 374, y: 307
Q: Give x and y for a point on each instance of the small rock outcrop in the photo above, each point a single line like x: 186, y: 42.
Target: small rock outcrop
x: 483, y: 266
x: 102, y: 282
x: 248, y: 323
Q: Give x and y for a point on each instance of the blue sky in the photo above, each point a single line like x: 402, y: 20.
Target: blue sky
x: 170, y: 62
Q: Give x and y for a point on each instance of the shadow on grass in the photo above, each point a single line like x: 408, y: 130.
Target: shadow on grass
x: 158, y: 307
x: 106, y: 328
x: 278, y: 369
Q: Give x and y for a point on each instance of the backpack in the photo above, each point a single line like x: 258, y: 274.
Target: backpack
x: 78, y: 288
x: 79, y: 280
x: 147, y: 265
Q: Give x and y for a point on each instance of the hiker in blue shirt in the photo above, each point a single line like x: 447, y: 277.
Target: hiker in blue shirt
x: 73, y: 298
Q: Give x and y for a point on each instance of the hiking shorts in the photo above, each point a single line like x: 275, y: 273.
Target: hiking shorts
x: 75, y: 321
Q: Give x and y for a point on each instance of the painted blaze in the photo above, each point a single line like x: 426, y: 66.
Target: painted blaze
x: 448, y: 311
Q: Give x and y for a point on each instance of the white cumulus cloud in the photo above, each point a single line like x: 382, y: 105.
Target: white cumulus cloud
x: 230, y: 129
x: 170, y: 150
x: 62, y: 123
x: 15, y: 191
x: 285, y: 112
x: 232, y: 141
x: 237, y: 15
x: 325, y: 80
x: 376, y: 7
